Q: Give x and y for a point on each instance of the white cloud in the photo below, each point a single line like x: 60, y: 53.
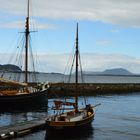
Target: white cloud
x: 120, y: 12
x: 100, y: 62
x: 17, y: 24
x: 21, y: 24
x: 114, y: 30
x: 104, y: 42
x: 90, y: 62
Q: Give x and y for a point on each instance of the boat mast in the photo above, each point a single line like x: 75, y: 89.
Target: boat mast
x: 76, y: 76
x: 27, y: 32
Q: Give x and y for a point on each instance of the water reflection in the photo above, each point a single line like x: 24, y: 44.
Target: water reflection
x: 84, y: 134
x: 28, y: 108
x: 18, y: 116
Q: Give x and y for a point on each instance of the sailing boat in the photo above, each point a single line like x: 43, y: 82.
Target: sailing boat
x: 76, y: 118
x: 18, y: 94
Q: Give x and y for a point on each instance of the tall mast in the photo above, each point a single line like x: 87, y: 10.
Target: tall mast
x: 27, y: 32
x: 76, y: 75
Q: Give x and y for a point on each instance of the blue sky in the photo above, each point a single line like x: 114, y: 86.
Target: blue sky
x: 109, y: 32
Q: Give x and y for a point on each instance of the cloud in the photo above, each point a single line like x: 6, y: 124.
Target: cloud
x: 17, y: 24
x: 90, y: 62
x: 100, y: 62
x: 104, y: 42
x: 114, y: 31
x: 120, y: 12
x: 21, y: 24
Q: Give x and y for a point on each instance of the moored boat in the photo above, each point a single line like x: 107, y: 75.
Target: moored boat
x: 15, y: 94
x: 76, y: 118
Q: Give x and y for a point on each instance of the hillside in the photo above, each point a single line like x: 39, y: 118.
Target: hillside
x: 10, y: 67
x: 116, y: 71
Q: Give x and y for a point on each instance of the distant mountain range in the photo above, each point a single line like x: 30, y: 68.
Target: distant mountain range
x: 116, y: 71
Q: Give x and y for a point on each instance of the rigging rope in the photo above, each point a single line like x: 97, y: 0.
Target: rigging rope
x: 82, y: 78
x: 68, y: 64
x: 71, y: 68
x: 34, y: 78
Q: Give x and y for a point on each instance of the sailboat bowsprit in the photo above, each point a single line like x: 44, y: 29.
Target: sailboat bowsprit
x: 14, y: 94
x: 76, y: 118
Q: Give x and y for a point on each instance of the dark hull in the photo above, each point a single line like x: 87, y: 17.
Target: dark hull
x: 25, y: 101
x: 71, y: 134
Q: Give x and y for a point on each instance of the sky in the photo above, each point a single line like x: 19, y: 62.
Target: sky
x: 109, y: 32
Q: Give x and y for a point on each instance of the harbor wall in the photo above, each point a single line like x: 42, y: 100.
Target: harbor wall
x: 89, y: 89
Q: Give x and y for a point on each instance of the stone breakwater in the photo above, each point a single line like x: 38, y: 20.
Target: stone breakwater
x: 89, y: 89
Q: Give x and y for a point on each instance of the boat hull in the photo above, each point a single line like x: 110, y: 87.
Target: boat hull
x: 70, y: 132
x: 53, y: 126
x: 23, y: 101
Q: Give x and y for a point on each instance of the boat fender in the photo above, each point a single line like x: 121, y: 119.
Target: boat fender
x: 3, y: 135
x: 89, y: 113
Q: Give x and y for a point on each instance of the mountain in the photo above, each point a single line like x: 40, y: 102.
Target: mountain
x: 10, y: 67
x: 116, y: 71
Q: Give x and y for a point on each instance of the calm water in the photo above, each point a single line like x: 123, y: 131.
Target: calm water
x: 42, y: 77
x: 118, y: 118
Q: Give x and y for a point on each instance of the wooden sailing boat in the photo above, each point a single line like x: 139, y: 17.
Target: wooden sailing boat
x: 17, y: 94
x: 76, y: 118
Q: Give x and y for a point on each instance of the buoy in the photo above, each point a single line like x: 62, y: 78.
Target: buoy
x: 2, y: 135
